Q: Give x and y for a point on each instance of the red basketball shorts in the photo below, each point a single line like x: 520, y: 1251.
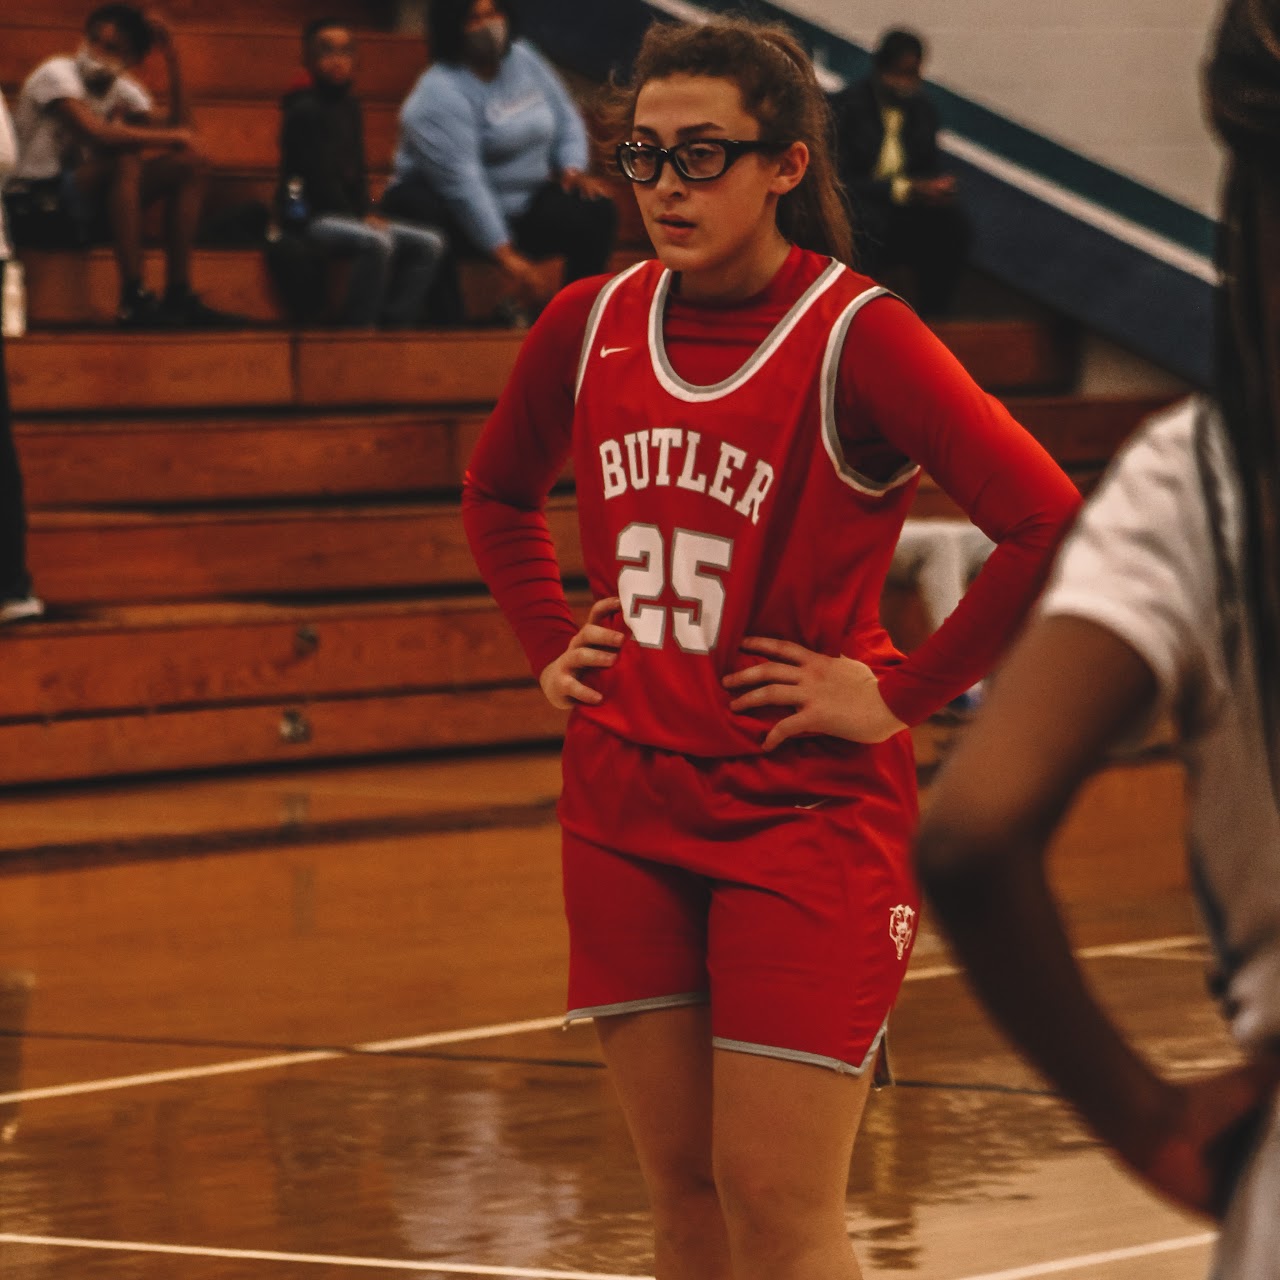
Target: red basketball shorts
x: 791, y: 913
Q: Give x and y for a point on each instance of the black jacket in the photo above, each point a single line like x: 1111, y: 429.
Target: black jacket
x: 860, y: 138
x: 322, y: 142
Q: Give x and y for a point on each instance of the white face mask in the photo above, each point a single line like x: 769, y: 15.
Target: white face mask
x: 97, y: 73
x: 488, y: 43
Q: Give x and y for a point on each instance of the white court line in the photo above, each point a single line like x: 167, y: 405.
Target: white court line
x: 1151, y: 949
x: 279, y: 1061
x: 1084, y: 1260
x: 1079, y: 1263
x: 319, y: 1259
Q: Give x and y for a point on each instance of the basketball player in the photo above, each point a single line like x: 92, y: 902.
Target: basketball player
x: 748, y: 418
x: 1166, y: 599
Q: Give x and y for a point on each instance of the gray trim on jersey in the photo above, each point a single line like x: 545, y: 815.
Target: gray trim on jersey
x: 810, y: 1059
x: 636, y: 1006
x: 673, y: 383
x: 830, y: 429
x: 594, y: 319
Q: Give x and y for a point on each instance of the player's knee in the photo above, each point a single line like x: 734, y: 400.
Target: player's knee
x: 686, y: 1206
x: 768, y: 1216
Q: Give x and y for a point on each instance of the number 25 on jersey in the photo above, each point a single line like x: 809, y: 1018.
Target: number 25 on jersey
x: 698, y: 562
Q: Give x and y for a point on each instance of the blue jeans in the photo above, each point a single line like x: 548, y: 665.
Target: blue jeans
x: 376, y: 294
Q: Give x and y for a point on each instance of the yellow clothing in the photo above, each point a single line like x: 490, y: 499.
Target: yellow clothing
x: 892, y: 163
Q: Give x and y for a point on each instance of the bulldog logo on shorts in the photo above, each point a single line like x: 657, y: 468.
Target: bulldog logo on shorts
x: 901, y: 927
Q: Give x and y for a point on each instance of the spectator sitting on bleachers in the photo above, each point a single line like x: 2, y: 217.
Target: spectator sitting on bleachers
x: 906, y: 210
x: 93, y: 153
x: 16, y: 599
x: 493, y: 149
x: 324, y: 190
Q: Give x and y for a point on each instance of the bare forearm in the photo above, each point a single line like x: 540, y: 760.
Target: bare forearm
x: 996, y: 907
x: 1069, y: 689
x: 111, y: 136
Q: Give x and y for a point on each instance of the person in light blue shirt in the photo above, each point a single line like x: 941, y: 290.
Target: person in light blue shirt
x: 493, y: 149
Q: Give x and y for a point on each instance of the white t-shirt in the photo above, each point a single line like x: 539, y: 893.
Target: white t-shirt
x: 1156, y: 559
x: 45, y: 145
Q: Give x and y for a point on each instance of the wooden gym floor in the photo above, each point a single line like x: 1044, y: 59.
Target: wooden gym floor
x: 304, y: 1025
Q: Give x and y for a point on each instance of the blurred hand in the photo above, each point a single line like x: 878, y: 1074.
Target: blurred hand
x: 934, y: 190
x: 839, y: 697
x: 1211, y: 1130
x: 180, y: 138
x: 594, y: 647
x: 525, y: 278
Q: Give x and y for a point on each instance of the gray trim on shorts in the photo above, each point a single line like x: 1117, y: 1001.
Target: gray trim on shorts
x: 810, y: 1059
x: 636, y: 1006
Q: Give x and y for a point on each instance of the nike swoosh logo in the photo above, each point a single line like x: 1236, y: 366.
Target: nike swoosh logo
x: 611, y: 351
x: 817, y: 804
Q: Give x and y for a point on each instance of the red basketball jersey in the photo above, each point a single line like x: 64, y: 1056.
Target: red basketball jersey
x: 724, y: 511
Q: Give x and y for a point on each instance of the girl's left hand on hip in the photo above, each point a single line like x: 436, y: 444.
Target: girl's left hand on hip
x: 839, y: 697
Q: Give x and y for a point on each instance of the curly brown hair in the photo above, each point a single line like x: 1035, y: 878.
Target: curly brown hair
x: 778, y: 87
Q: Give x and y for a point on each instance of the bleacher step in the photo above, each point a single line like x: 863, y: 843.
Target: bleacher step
x: 245, y: 13
x: 207, y: 370
x: 66, y: 289
x: 136, y: 460
x: 225, y: 458
x: 269, y: 734
x: 163, y: 656
x: 284, y: 804
x: 108, y: 557
x: 244, y: 62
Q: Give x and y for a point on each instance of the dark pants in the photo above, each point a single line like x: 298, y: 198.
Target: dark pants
x: 14, y: 580
x: 932, y: 240
x: 556, y: 224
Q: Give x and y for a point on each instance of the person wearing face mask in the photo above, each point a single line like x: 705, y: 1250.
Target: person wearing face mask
x: 93, y: 152
x: 492, y: 148
x: 906, y: 209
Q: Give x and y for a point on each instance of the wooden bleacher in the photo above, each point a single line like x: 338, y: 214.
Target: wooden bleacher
x: 251, y: 541
x: 253, y: 545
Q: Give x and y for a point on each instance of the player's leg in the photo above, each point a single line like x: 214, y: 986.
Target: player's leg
x: 784, y: 1136
x: 806, y: 952
x: 637, y: 935
x: 178, y: 178
x: 370, y: 250
x: 660, y: 1064
x: 114, y: 182
x: 420, y: 251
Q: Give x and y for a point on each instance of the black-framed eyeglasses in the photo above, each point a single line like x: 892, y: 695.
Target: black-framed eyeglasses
x: 700, y: 160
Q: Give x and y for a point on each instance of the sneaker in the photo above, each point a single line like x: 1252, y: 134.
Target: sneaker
x: 139, y: 310
x: 186, y: 310
x: 21, y: 610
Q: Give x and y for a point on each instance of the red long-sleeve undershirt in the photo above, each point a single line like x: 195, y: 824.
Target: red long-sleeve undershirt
x: 901, y: 395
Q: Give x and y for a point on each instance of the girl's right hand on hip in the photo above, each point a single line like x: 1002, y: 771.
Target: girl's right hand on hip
x: 594, y: 646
